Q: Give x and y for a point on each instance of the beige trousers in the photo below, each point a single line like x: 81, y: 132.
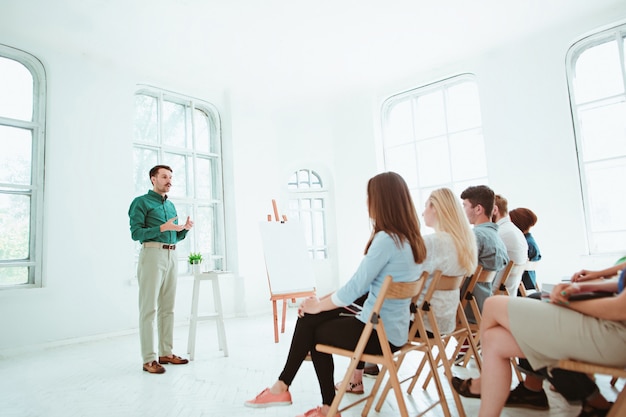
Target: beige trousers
x: 157, y: 272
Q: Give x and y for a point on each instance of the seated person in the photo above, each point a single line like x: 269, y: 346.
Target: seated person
x: 395, y: 248
x: 508, y: 331
x: 478, y: 202
x: 524, y: 219
x: 452, y: 250
x: 515, y: 243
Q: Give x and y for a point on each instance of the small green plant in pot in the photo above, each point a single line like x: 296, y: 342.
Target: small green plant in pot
x: 195, y: 258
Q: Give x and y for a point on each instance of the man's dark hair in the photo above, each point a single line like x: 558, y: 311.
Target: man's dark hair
x: 480, y: 194
x: 154, y: 171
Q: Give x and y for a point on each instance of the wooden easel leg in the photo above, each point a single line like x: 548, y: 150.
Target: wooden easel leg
x: 275, y: 321
x: 282, y: 327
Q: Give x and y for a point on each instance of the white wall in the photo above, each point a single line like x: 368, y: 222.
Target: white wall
x: 88, y: 264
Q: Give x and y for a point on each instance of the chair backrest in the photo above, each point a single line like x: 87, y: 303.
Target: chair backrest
x: 480, y: 275
x: 439, y: 282
x: 389, y: 290
x: 509, y: 279
x: 528, y: 266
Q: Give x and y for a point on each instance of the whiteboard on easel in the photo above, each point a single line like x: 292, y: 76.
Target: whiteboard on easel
x: 289, y: 268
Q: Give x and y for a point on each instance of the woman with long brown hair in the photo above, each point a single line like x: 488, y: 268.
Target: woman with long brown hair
x: 395, y: 248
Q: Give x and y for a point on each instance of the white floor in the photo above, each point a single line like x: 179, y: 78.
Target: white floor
x: 104, y: 378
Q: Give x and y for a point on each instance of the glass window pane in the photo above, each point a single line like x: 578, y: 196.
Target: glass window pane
x: 205, y: 176
x: 605, y: 203
x: 180, y: 169
x: 603, y: 131
x: 609, y: 241
x: 14, y: 276
x: 15, y: 155
x: 16, y: 90
x: 598, y: 73
x: 15, y: 226
x: 144, y: 159
x: 316, y: 181
x: 318, y: 231
x: 467, y: 155
x: 205, y: 229
x: 202, y: 131
x: 145, y: 129
x: 399, y: 123
x: 174, y: 127
x: 463, y: 107
x: 318, y: 203
x: 432, y: 162
x: 430, y: 118
x: 402, y: 159
x: 306, y: 221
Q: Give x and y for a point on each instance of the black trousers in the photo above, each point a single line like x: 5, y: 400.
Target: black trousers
x: 330, y: 328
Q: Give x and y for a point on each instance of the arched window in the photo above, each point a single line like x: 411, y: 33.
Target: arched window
x: 307, y: 204
x: 22, y: 139
x: 184, y: 133
x: 596, y: 70
x: 433, y: 136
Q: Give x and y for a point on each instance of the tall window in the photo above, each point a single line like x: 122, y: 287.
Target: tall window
x: 307, y: 204
x: 184, y: 133
x: 596, y: 69
x: 22, y: 134
x: 433, y: 137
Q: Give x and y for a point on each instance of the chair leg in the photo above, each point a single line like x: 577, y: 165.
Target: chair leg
x: 619, y: 408
x: 334, y: 407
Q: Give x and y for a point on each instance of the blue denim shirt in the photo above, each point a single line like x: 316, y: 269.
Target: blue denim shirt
x: 383, y: 258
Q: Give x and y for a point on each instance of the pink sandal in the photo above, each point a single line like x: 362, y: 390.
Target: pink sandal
x: 352, y: 388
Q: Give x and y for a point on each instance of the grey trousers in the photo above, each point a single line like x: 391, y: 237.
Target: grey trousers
x: 157, y: 272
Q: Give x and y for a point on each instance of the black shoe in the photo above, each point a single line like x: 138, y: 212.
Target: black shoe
x: 522, y: 397
x: 462, y: 386
x: 371, y: 369
x: 589, y: 411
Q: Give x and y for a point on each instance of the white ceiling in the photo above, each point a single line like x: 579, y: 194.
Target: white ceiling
x: 287, y: 45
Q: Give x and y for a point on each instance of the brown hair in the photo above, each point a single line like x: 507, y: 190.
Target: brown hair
x: 480, y: 194
x: 155, y: 170
x: 391, y: 209
x: 523, y: 218
x: 503, y: 205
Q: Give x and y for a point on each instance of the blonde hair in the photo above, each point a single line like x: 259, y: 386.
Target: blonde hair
x: 452, y: 220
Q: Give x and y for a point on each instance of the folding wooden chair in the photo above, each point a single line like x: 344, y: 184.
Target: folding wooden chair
x: 529, y: 266
x: 389, y: 290
x: 419, y: 341
x: 480, y: 276
x: 619, y: 408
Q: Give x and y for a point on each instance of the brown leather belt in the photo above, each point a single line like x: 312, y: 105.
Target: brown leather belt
x: 159, y: 245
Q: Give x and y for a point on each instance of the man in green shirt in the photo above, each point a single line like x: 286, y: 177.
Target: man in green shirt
x: 153, y: 222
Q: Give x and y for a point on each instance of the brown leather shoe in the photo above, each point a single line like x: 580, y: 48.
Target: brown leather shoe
x: 153, y: 367
x: 174, y: 360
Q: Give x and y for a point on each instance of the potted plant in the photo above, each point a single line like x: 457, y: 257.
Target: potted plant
x: 195, y: 259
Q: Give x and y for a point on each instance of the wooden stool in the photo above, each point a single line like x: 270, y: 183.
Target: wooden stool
x: 218, y: 316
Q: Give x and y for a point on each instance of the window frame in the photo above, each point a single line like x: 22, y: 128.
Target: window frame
x: 613, y: 34
x: 217, y: 259
x: 37, y: 125
x: 316, y: 190
x: 421, y: 192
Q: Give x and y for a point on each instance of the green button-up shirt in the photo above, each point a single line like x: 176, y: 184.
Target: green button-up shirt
x: 147, y: 213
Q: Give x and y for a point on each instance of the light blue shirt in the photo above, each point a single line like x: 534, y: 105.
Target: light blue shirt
x: 383, y: 258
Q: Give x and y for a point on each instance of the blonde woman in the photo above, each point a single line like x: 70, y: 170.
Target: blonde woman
x: 451, y: 249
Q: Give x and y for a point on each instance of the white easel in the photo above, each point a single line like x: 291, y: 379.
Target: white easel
x: 287, y: 264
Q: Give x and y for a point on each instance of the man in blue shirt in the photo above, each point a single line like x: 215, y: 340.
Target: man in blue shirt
x: 153, y: 222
